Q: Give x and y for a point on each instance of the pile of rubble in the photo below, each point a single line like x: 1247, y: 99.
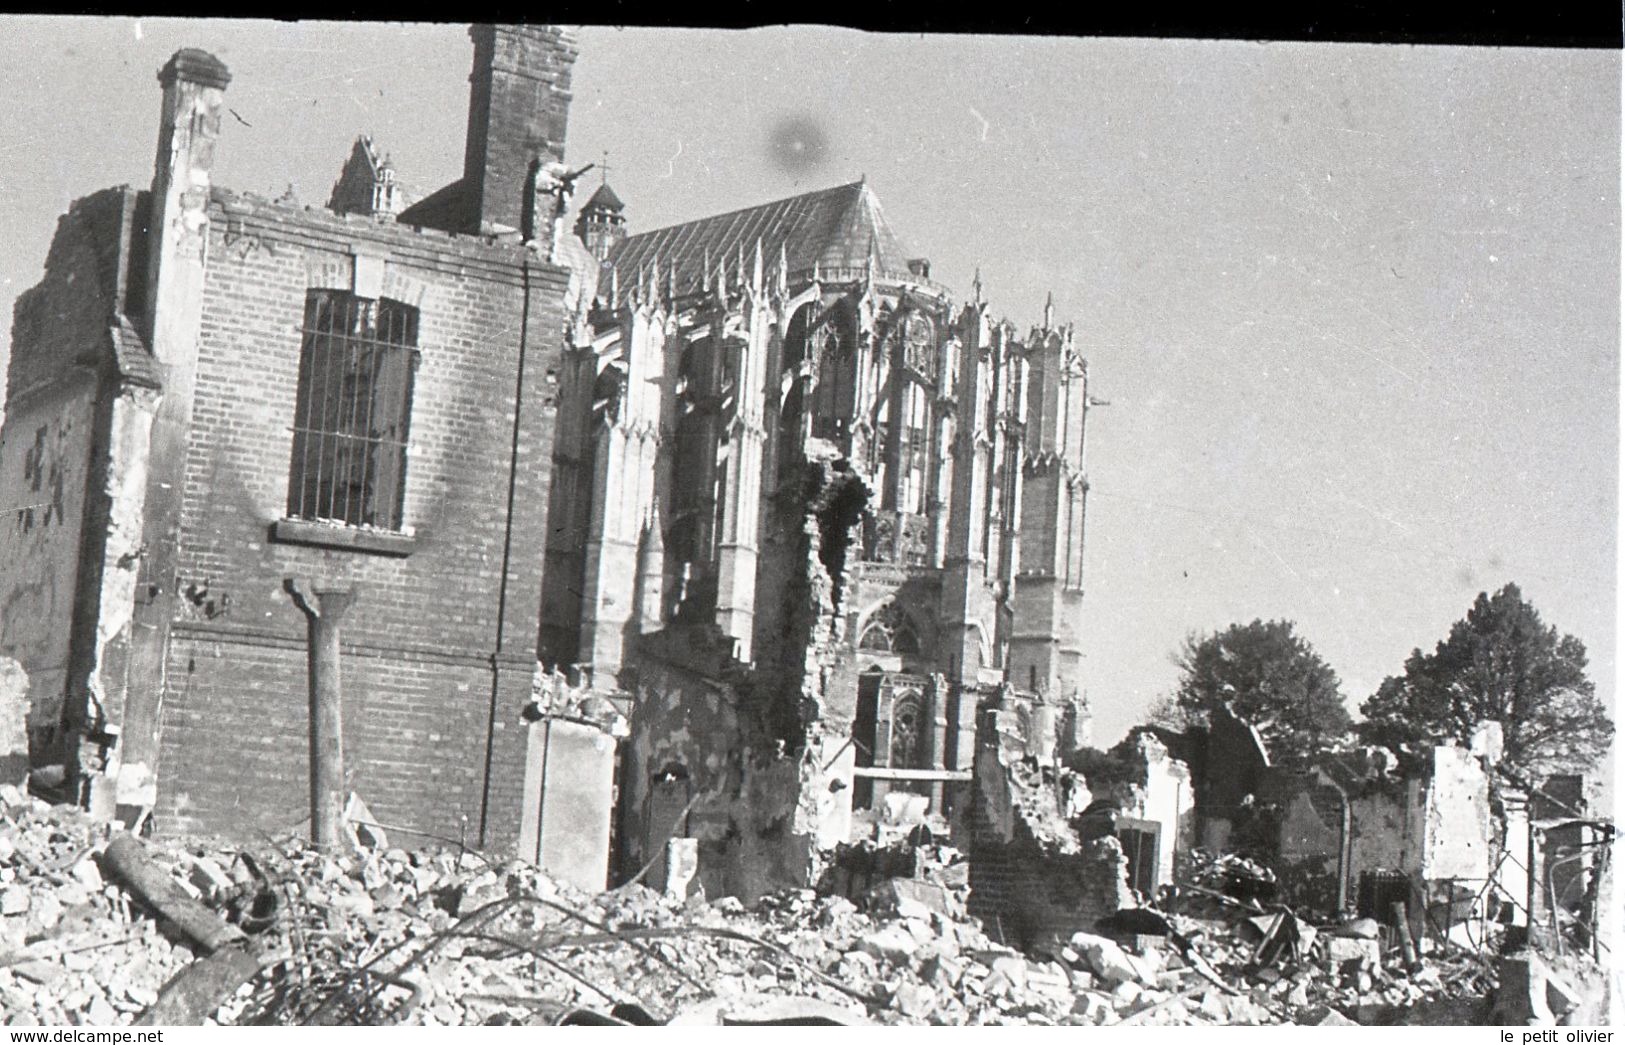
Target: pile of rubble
x: 99, y: 928
x: 1357, y: 971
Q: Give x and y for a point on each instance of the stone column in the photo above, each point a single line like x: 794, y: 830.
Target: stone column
x: 327, y: 777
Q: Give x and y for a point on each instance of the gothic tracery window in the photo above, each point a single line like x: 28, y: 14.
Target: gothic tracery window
x: 819, y: 373
x: 920, y: 345
x: 889, y: 630
x: 830, y: 347
x: 909, y: 489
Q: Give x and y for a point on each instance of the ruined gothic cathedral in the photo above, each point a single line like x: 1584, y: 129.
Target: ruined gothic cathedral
x: 720, y: 531
x: 738, y: 385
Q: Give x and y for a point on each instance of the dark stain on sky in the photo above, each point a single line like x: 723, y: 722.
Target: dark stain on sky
x: 798, y: 144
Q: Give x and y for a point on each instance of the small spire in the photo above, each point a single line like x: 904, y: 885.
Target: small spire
x: 976, y: 286
x: 756, y: 269
x: 1049, y: 311
x: 652, y: 523
x: 705, y: 267
x: 781, y: 278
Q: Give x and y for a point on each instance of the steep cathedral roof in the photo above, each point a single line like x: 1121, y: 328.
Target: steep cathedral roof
x: 836, y: 230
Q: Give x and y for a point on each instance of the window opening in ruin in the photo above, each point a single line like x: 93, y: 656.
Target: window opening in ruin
x: 907, y: 714
x: 667, y: 817
x: 353, y: 410
x: 606, y: 394
x: 865, y: 733
x: 889, y: 630
x: 1379, y: 891
x: 907, y: 444
x: 830, y: 347
x: 1142, y: 846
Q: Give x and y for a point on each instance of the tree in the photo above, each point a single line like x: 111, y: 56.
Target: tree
x: 1271, y: 678
x: 1501, y: 663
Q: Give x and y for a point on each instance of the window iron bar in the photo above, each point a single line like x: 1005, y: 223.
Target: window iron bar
x: 351, y: 419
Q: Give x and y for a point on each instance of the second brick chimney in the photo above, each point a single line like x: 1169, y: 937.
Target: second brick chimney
x: 519, y: 104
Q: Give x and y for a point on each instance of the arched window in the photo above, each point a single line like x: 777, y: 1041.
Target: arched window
x: 907, y: 487
x: 690, y: 512
x: 920, y: 346
x: 831, y: 348
x: 792, y: 392
x: 908, y: 722
x: 606, y: 393
x: 889, y: 630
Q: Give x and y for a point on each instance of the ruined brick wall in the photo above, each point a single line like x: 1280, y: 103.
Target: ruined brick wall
x: 48, y: 449
x: 422, y: 638
x: 685, y: 719
x: 805, y: 590
x: 1032, y: 882
x: 763, y: 749
x: 45, y: 458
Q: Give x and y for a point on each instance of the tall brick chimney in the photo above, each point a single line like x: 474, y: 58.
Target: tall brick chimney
x: 194, y: 84
x: 518, y: 105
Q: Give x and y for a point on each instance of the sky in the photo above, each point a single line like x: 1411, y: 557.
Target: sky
x: 1355, y: 307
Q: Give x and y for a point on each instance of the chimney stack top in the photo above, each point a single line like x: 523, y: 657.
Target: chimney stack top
x: 194, y: 65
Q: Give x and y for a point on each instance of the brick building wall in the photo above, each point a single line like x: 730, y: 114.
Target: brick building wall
x: 421, y: 639
x: 1033, y: 883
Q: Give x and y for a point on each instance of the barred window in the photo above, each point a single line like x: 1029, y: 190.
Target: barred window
x: 353, y: 410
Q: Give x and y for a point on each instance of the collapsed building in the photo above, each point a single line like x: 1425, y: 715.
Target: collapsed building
x: 1448, y: 843
x: 568, y: 541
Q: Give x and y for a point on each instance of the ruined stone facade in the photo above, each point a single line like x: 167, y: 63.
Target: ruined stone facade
x: 780, y: 434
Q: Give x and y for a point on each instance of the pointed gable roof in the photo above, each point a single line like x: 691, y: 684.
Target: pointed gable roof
x: 833, y: 229
x: 604, y: 199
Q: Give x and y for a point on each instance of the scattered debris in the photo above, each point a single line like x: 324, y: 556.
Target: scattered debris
x: 102, y: 928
